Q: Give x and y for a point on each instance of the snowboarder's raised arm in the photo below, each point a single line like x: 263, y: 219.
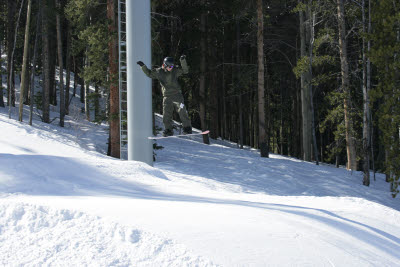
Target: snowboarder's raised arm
x: 149, y: 73
x: 185, y: 68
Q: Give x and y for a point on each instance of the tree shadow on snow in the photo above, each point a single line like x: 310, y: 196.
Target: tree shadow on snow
x: 277, y: 175
x: 62, y: 176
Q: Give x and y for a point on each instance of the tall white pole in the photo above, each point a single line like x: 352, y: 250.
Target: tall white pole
x: 138, y: 36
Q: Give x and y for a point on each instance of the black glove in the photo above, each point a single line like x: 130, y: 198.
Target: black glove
x: 140, y: 63
x: 183, y: 57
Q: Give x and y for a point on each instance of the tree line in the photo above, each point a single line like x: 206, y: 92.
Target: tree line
x: 314, y: 79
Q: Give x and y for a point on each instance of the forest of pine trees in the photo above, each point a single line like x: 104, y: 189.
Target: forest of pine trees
x: 318, y: 80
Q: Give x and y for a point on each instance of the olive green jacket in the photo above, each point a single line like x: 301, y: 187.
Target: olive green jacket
x: 168, y: 79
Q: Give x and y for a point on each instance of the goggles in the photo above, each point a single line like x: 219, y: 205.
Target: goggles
x: 170, y: 66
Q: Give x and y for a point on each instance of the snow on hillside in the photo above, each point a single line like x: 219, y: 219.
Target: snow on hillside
x: 63, y: 202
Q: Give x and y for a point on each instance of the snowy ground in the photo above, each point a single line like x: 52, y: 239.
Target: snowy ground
x: 63, y: 202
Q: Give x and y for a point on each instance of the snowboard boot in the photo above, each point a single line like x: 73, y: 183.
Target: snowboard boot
x: 187, y: 130
x: 167, y: 132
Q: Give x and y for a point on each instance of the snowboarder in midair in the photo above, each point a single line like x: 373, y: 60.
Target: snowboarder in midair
x: 172, y: 94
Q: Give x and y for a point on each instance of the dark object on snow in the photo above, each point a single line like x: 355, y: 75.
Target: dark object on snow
x: 167, y: 132
x: 187, y: 130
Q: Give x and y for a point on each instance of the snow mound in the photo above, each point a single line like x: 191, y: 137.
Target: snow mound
x: 37, y: 235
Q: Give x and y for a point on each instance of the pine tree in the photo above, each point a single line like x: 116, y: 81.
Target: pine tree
x: 385, y: 56
x: 92, y: 33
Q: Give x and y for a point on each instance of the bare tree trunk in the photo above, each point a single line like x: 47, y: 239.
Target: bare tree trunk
x: 261, y: 90
x: 82, y: 83
x: 397, y: 85
x: 86, y: 90
x: 75, y: 76
x: 295, y: 122
x: 1, y: 84
x: 337, y: 156
x: 26, y: 83
x: 241, y: 130
x: 366, y: 116
x: 46, y: 64
x: 202, y: 89
x: 35, y: 48
x: 213, y: 93
x: 60, y: 64
x: 11, y: 7
x: 299, y: 123
x: 224, y: 114
x: 82, y: 92
x: 114, y: 142
x: 369, y: 88
x: 25, y: 75
x: 53, y: 66
x: 96, y: 102
x: 305, y: 91
x: 388, y: 176
x: 350, y: 144
x: 87, y: 102
x: 68, y: 70
x: 11, y: 71
x: 281, y: 135
x: 2, y: 104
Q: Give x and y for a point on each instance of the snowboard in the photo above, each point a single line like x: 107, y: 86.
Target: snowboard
x: 176, y: 136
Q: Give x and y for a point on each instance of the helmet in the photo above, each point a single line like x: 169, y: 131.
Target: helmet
x: 168, y: 61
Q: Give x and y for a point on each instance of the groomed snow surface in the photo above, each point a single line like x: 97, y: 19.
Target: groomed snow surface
x: 64, y: 203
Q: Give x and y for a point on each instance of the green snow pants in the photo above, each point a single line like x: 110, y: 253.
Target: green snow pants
x: 171, y: 103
